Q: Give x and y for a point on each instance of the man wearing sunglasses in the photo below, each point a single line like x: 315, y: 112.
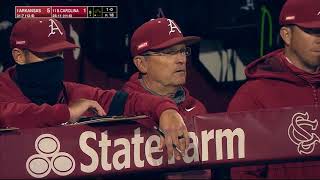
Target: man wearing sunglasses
x: 160, y: 52
x: 285, y: 78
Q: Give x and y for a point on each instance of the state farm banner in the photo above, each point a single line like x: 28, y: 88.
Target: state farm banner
x: 268, y: 135
x: 117, y: 148
x: 83, y: 150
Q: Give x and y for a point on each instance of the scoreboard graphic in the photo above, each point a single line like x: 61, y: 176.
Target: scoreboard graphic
x: 66, y: 11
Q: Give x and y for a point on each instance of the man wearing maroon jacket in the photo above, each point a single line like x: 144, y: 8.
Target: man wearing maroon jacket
x: 33, y: 93
x: 159, y: 52
x: 285, y: 78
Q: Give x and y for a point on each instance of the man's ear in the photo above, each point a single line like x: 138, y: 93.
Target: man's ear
x: 18, y: 56
x: 286, y: 34
x: 141, y: 64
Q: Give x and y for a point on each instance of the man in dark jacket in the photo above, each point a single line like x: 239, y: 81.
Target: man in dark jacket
x: 33, y: 93
x: 286, y: 77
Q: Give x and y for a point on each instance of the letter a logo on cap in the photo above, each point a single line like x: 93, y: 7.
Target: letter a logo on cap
x: 173, y: 26
x: 54, y: 27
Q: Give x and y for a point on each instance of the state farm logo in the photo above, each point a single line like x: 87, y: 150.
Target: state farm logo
x: 49, y: 158
x: 302, y: 132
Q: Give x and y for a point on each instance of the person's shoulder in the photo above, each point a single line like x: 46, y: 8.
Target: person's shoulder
x: 8, y: 88
x: 254, y: 86
x: 261, y: 83
x: 134, y: 85
x: 73, y: 86
x: 195, y: 102
x: 200, y: 106
x: 5, y: 78
x: 251, y: 90
x: 247, y: 96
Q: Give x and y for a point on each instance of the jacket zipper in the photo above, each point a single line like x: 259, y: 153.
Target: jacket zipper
x: 315, y: 95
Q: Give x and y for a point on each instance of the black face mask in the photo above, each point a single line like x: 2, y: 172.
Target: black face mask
x: 41, y: 82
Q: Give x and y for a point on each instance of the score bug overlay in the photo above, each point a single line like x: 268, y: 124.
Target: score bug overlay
x: 66, y: 11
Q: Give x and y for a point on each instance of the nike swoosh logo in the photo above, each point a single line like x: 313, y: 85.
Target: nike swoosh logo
x: 190, y: 109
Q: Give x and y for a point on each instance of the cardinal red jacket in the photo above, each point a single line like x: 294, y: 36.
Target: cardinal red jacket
x: 274, y: 82
x: 16, y: 110
x: 188, y: 105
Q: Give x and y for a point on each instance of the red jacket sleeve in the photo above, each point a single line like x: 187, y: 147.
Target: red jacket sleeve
x: 153, y: 106
x: 136, y: 103
x: 30, y: 115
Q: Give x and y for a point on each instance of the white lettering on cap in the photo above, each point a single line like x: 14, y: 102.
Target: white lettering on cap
x: 290, y: 18
x: 20, y: 42
x: 142, y: 45
x: 318, y: 13
x: 173, y: 26
x: 54, y: 27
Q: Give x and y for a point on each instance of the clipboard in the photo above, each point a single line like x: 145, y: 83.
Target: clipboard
x: 91, y: 120
x: 101, y: 119
x: 8, y: 129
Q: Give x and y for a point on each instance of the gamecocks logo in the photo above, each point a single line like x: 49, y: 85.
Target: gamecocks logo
x: 301, y: 132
